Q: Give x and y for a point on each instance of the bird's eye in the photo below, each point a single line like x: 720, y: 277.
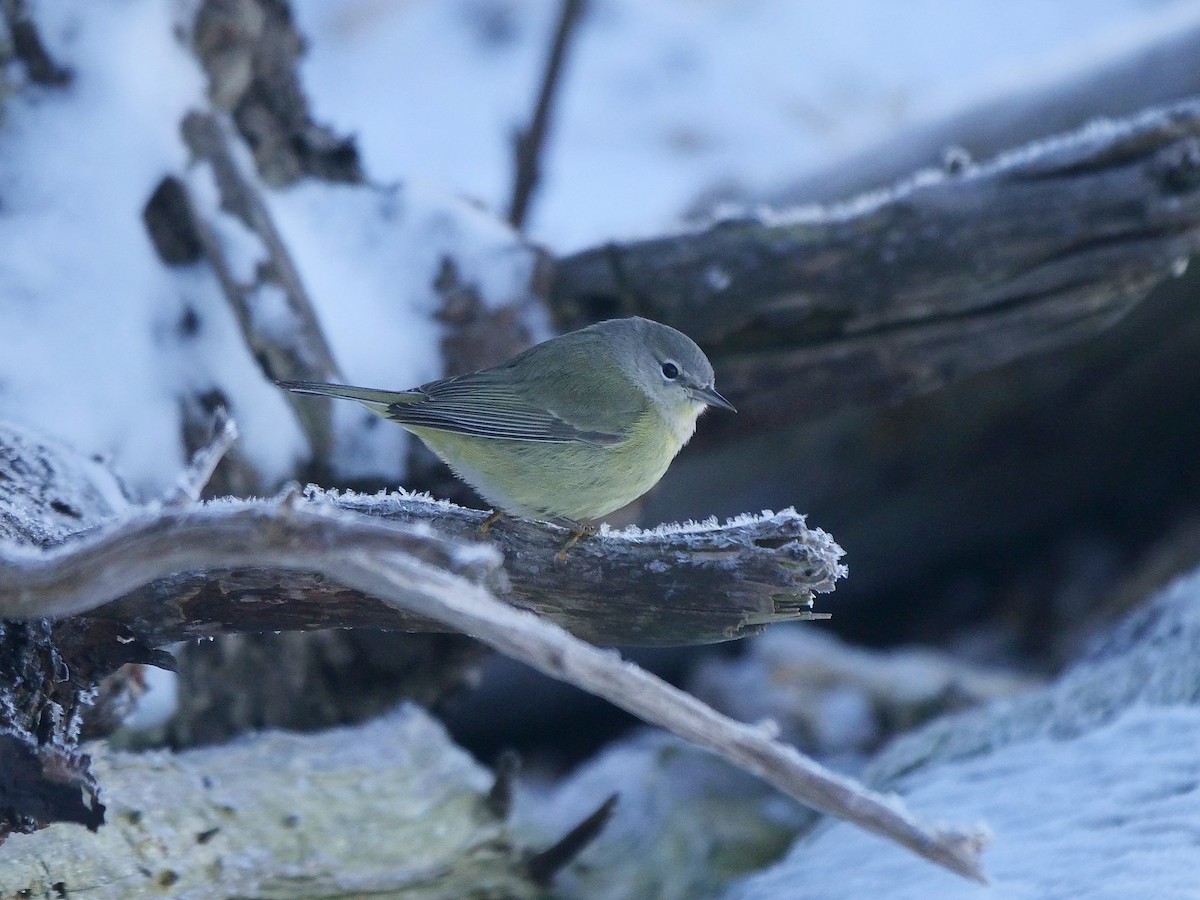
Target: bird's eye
x: 670, y: 371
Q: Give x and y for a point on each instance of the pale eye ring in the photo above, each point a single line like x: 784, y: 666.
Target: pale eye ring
x: 670, y: 371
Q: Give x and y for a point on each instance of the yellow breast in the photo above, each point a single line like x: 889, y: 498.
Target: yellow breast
x: 568, y: 481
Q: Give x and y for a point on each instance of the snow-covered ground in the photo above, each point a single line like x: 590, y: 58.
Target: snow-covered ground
x: 1088, y: 786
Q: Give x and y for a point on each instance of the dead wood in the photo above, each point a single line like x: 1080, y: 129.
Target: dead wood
x: 246, y: 566
x: 901, y: 292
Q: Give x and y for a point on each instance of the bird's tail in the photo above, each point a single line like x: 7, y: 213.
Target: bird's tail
x: 375, y: 400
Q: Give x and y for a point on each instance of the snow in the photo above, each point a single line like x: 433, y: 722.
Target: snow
x: 662, y: 101
x: 49, y: 491
x: 369, y: 258
x: 95, y: 350
x: 77, y: 272
x: 1069, y: 818
x: 159, y: 702
x: 663, y: 104
x: 1089, y: 785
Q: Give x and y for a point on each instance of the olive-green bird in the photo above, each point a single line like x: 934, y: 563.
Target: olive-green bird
x: 568, y: 430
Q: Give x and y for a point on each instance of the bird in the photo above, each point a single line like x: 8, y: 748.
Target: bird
x: 567, y: 431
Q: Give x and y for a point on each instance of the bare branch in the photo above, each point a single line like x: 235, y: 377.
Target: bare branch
x: 549, y: 649
x: 97, y: 567
x: 306, y: 355
x: 192, y: 480
x: 528, y: 144
x: 900, y: 292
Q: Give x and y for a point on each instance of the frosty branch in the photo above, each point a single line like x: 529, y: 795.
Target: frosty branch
x: 157, y: 568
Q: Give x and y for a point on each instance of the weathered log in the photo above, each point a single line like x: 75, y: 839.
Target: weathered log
x: 900, y: 292
x: 682, y: 584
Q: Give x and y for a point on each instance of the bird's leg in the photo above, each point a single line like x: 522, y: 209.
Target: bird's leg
x: 486, y: 525
x: 578, y: 531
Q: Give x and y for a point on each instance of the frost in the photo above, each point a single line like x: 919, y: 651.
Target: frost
x: 634, y: 533
x: 48, y: 491
x: 1077, y: 818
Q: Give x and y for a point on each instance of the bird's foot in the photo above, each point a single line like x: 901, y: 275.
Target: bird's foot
x: 578, y: 531
x: 486, y: 525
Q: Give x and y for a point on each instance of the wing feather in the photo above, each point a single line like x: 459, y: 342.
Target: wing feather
x: 481, y: 404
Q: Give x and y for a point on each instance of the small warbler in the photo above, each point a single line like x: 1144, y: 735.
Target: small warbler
x: 571, y: 429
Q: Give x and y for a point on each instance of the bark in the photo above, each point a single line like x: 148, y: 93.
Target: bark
x: 250, y: 50
x: 47, y: 493
x: 248, y: 566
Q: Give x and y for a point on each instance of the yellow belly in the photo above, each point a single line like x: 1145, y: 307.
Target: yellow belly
x: 570, y: 481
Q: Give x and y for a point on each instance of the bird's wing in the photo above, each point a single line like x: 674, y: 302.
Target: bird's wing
x: 489, y: 404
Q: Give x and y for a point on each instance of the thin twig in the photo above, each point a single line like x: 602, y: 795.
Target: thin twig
x: 423, y: 576
x: 543, y: 866
x: 528, y: 143
x: 191, y: 482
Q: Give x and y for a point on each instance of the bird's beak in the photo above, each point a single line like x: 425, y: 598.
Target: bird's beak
x: 711, y: 397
